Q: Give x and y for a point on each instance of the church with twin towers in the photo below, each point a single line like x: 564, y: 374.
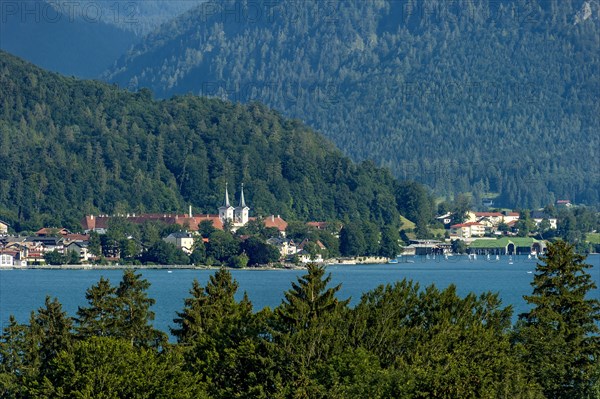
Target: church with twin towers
x: 238, y: 215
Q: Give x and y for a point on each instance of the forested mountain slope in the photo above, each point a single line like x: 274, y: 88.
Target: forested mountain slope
x: 493, y: 97
x: 69, y: 147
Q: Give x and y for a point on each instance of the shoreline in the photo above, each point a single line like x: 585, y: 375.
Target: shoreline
x: 143, y: 267
x: 286, y: 266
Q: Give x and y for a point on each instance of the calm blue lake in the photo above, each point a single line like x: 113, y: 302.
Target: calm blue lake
x: 22, y: 291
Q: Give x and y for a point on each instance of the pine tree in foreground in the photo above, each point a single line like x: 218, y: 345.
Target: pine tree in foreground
x: 559, y: 336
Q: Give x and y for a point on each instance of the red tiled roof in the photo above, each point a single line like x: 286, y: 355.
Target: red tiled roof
x: 91, y: 222
x: 275, y: 221
x: 35, y: 255
x: 77, y: 237
x: 468, y: 224
x: 194, y: 222
x: 50, y: 230
x: 488, y: 214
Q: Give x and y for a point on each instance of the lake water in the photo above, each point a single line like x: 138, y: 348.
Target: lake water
x: 22, y: 291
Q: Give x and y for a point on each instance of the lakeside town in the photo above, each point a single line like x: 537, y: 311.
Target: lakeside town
x: 233, y: 238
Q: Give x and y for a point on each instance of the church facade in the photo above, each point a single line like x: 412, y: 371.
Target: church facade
x: 238, y: 215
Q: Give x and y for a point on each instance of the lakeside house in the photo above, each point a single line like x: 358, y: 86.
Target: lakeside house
x: 427, y: 247
x: 11, y: 258
x: 22, y: 251
x: 182, y: 240
x: 81, y: 249
x: 539, y: 216
x: 467, y: 230
x: 288, y: 248
x: 507, y: 246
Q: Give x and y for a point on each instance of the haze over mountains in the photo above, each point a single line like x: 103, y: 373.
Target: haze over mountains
x: 80, y: 38
x: 494, y: 97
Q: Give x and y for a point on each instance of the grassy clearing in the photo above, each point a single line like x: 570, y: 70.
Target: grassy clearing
x: 593, y: 238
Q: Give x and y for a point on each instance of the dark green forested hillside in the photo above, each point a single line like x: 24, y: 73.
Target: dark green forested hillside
x: 69, y: 147
x: 493, y: 97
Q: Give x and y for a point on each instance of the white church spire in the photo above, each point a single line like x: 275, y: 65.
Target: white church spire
x: 242, y: 200
x: 226, y: 203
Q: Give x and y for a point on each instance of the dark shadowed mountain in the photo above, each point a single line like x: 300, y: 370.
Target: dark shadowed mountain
x: 497, y: 98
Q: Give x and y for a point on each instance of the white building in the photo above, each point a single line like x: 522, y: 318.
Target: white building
x: 3, y: 228
x: 183, y: 241
x: 239, y: 215
x: 467, y: 230
x: 81, y: 249
x: 11, y: 259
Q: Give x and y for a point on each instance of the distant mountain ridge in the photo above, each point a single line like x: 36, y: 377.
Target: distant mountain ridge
x: 138, y: 16
x: 71, y: 147
x: 80, y: 38
x: 498, y: 98
x: 63, y: 40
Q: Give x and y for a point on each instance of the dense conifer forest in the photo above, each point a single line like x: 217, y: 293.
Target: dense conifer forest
x: 399, y: 341
x: 70, y: 147
x: 497, y: 98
